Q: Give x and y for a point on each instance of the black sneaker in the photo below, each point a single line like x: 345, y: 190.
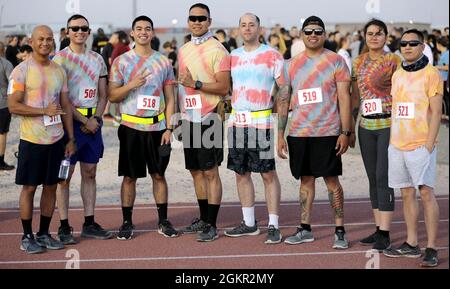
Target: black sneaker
x: 430, y: 259
x: 381, y: 243
x: 369, y: 241
x: 65, y: 235
x: 95, y: 231
x: 209, y: 234
x: 196, y: 226
x: 403, y: 251
x: 47, y: 241
x: 243, y: 230
x: 125, y: 231
x: 5, y: 167
x: 167, y: 230
x: 273, y: 235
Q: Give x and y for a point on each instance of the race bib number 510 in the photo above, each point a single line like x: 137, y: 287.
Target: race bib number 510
x: 193, y: 102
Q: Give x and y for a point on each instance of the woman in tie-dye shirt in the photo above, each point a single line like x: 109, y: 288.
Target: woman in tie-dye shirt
x: 372, y: 73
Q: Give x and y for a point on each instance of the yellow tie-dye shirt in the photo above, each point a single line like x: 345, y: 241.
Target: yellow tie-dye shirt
x: 42, y: 85
x: 411, y: 93
x: 203, y: 61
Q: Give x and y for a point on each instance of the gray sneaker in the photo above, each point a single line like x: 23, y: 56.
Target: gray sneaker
x: 243, y: 230
x: 48, y: 242
x: 196, y: 226
x: 340, y: 241
x: 273, y: 235
x: 403, y: 251
x: 29, y: 245
x: 95, y: 231
x: 209, y: 234
x: 301, y: 236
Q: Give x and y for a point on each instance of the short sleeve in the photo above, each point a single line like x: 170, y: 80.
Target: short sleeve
x: 342, y: 74
x: 222, y: 61
x: 435, y: 84
x: 116, y: 72
x: 17, y: 80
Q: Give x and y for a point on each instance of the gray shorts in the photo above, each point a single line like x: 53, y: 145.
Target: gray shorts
x: 409, y: 169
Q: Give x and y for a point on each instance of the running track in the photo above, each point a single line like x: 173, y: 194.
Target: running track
x: 148, y: 249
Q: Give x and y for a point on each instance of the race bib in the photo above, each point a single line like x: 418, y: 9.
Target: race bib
x: 372, y: 106
x: 243, y: 118
x: 192, y: 102
x: 148, y: 102
x: 52, y: 120
x: 310, y: 96
x: 405, y: 110
x: 87, y: 94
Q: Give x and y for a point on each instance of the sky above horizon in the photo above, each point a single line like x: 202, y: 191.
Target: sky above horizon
x: 225, y: 13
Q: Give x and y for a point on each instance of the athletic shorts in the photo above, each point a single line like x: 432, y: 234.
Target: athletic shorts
x: 89, y: 146
x: 314, y: 156
x: 5, y: 120
x: 251, y: 150
x: 408, y: 169
x: 203, y: 143
x: 139, y: 153
x: 39, y: 164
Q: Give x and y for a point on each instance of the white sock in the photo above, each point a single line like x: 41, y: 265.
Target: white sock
x: 249, y: 216
x: 273, y: 220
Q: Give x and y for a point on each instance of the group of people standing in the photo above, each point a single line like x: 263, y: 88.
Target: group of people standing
x: 397, y: 104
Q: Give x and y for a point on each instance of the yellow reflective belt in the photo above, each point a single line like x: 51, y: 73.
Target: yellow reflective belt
x: 142, y: 120
x: 85, y: 111
x: 258, y: 114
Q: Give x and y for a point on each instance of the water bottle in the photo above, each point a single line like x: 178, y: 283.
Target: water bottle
x: 64, y: 169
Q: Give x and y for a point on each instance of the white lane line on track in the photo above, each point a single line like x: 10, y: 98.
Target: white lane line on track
x: 227, y: 228
x: 175, y: 258
x: 222, y: 206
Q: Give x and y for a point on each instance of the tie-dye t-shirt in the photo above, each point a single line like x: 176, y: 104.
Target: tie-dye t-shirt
x: 411, y: 93
x: 83, y: 73
x: 203, y: 61
x: 42, y: 85
x: 374, y: 82
x: 254, y: 76
x: 308, y: 78
x: 125, y: 68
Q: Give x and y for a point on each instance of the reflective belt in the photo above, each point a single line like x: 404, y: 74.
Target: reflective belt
x: 143, y: 120
x: 258, y: 114
x: 87, y: 111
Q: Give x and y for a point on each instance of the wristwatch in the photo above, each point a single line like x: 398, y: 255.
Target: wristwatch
x: 346, y: 133
x: 198, y: 85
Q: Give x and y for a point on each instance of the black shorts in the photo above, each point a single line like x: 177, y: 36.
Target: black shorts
x: 251, y: 150
x: 203, y: 144
x: 39, y: 164
x: 5, y: 120
x: 139, y: 152
x: 314, y: 156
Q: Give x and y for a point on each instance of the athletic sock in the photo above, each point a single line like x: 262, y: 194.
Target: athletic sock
x: 249, y: 216
x: 213, y: 211
x: 162, y: 212
x: 127, y: 213
x: 203, y: 205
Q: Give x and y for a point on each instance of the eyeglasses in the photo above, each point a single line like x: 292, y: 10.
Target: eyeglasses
x: 318, y: 32
x: 202, y: 18
x: 77, y: 28
x: 413, y: 43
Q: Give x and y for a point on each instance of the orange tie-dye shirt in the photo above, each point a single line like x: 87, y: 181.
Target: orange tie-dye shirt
x: 416, y: 89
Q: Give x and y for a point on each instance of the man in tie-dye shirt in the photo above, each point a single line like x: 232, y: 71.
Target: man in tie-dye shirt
x: 86, y: 73
x: 204, y: 79
x: 142, y: 82
x: 320, y: 126
x: 417, y: 92
x: 256, y: 73
x: 38, y: 93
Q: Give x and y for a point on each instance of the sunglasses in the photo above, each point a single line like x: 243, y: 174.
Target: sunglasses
x: 318, y: 32
x: 77, y: 28
x: 197, y: 18
x: 413, y: 43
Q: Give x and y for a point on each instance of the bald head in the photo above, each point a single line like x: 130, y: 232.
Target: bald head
x: 41, y: 29
x: 250, y: 16
x: 42, y: 40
